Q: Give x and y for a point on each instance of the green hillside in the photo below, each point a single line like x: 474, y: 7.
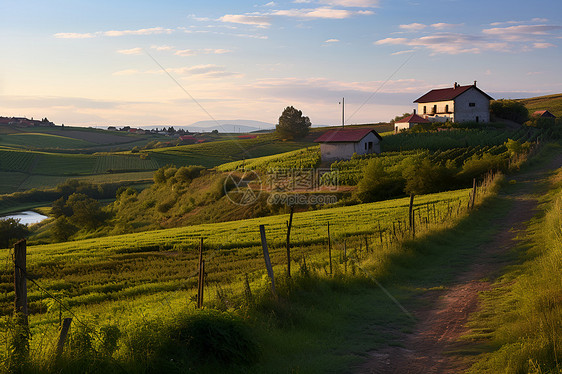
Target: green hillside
x: 552, y: 103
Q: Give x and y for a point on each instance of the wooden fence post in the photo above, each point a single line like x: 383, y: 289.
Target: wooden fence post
x: 20, y: 342
x: 329, y: 248
x: 267, y: 260
x: 20, y: 281
x: 473, y: 193
x: 201, y: 279
x: 289, y: 224
x: 411, y: 215
x: 62, y: 336
x: 410, y: 209
x: 344, y: 257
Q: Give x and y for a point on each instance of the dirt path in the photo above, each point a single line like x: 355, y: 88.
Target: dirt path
x: 442, y: 324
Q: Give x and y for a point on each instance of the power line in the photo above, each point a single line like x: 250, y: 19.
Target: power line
x: 381, y: 86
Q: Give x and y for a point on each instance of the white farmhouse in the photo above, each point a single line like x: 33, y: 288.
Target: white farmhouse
x: 455, y: 104
x: 341, y: 144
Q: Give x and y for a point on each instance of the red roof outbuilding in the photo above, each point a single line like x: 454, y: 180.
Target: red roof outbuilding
x: 414, y: 118
x: 544, y: 114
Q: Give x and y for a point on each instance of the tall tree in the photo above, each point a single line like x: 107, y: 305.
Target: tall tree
x: 293, y: 124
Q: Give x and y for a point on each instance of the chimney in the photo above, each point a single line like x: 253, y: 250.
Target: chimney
x: 414, y: 111
x: 455, y: 85
x: 474, y: 83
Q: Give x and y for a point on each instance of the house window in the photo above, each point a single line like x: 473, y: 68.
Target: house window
x: 471, y: 104
x: 446, y: 108
x: 370, y: 145
x: 434, y: 109
x: 424, y: 109
x: 477, y: 119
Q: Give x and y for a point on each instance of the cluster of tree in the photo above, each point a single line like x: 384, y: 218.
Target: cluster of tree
x: 171, y: 174
x: 419, y: 175
x: 509, y: 109
x: 11, y: 230
x: 77, y: 208
x: 292, y: 124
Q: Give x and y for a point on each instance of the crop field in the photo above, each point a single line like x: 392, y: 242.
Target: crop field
x: 299, y: 159
x: 32, y: 140
x: 15, y: 160
x: 120, y: 162
x: 11, y: 181
x: 108, y: 273
x: 216, y: 153
x: 455, y: 139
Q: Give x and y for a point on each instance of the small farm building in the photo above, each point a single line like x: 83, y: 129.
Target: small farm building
x: 543, y: 114
x: 408, y: 122
x: 456, y: 104
x: 341, y: 144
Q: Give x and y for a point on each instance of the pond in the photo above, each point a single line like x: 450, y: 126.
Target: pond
x: 27, y: 218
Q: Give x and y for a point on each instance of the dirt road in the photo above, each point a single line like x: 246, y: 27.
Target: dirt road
x: 428, y: 349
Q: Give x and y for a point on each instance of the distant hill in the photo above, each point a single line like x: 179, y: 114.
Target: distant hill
x: 237, y: 125
x: 552, y: 103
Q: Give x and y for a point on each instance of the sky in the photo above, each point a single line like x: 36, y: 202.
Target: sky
x: 135, y: 63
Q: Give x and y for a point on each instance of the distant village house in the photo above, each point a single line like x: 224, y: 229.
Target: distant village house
x: 455, y: 104
x: 409, y: 122
x: 341, y: 144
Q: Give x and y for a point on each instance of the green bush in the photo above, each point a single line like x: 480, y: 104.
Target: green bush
x: 509, y: 109
x: 377, y: 183
x: 211, y: 336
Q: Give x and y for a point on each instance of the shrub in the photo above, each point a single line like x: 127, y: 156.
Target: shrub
x: 211, y: 336
x: 510, y: 109
x: 377, y: 183
x: 11, y: 230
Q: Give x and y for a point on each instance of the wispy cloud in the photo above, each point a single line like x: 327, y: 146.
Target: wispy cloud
x: 247, y: 19
x: 332, y: 41
x: 113, y: 33
x: 132, y: 51
x: 352, y: 3
x: 321, y: 13
x: 413, y: 26
x: 514, y: 38
x: 162, y: 47
x: 205, y: 51
x: 442, y: 25
x: 74, y: 35
x: 521, y: 32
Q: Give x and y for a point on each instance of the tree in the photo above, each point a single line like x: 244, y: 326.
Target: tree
x: 293, y: 124
x: 63, y: 229
x: 86, y: 212
x: 11, y: 230
x: 378, y: 183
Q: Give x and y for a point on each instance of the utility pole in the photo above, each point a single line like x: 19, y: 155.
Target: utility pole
x: 342, y: 111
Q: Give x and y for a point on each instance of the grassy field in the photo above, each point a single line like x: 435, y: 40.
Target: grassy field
x: 552, y: 103
x: 46, y: 169
x: 129, y: 280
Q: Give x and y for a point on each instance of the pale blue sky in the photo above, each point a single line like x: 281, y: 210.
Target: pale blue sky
x: 89, y: 63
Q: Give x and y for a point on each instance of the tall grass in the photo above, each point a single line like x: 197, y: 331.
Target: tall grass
x: 522, y: 316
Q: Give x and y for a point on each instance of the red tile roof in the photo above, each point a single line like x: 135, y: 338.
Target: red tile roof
x: 446, y: 94
x: 345, y: 135
x: 543, y: 113
x: 414, y: 118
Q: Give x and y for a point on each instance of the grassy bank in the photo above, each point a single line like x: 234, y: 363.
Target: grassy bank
x: 520, y: 325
